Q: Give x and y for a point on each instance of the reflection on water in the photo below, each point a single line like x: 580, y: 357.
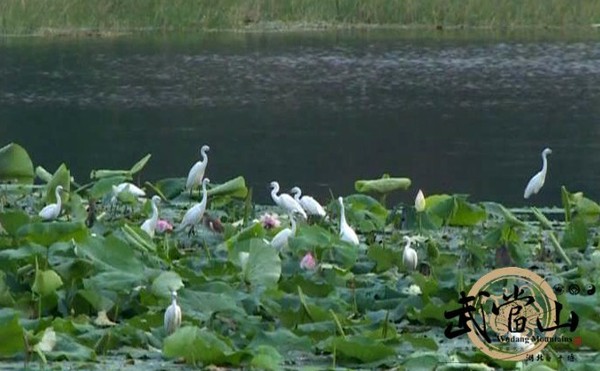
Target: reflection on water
x: 314, y: 110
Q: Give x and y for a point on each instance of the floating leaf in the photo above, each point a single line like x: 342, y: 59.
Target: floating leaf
x: 198, y: 345
x: 171, y: 187
x: 576, y: 234
x: 264, y: 265
x: 15, y: 164
x: 266, y: 358
x: 362, y: 348
x: 48, y: 233
x: 11, y: 333
x: 11, y: 221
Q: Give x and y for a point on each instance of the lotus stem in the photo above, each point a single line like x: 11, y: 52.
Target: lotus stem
x: 559, y: 248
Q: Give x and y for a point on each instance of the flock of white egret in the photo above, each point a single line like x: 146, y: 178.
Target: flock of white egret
x: 303, y: 207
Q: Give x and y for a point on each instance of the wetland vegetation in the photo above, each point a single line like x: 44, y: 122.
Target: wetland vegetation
x: 111, y: 17
x: 92, y: 286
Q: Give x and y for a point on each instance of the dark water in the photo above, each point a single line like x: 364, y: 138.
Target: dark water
x: 460, y: 114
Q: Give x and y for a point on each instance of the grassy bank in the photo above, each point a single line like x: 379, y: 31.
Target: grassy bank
x: 50, y: 16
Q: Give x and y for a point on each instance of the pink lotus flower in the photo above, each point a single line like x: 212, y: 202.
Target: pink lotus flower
x: 269, y: 221
x: 308, y: 262
x: 163, y: 226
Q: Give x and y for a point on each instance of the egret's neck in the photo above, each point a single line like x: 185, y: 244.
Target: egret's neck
x: 407, y: 246
x: 343, y: 215
x: 58, y: 199
x: 204, y: 194
x: 274, y: 193
x: 154, y: 212
x: 204, y: 156
x: 544, y: 162
x: 293, y: 226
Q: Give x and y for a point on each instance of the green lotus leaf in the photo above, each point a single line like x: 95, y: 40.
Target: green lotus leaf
x: 264, y: 265
x: 48, y: 233
x: 383, y: 185
x: 15, y: 164
x: 11, y: 333
x: 165, y: 283
x: 199, y: 345
x: 12, y: 220
x: 62, y: 176
x: 235, y: 187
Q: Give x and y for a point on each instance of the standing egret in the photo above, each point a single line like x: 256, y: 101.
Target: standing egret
x: 537, y: 181
x: 309, y: 204
x: 52, y: 211
x: 172, y: 315
x: 346, y: 232
x: 149, y: 225
x: 409, y: 256
x: 281, y: 238
x: 197, y: 171
x: 195, y: 213
x: 286, y: 201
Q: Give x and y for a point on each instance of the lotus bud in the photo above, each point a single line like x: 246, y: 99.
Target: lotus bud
x: 308, y: 262
x: 420, y: 202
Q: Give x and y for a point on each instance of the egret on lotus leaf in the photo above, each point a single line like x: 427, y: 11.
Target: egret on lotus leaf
x: 537, y: 181
x: 309, y: 204
x: 282, y: 237
x: 409, y: 256
x: 172, y: 315
x: 52, y: 211
x: 195, y: 213
x: 149, y: 225
x: 346, y: 232
x: 286, y: 201
x: 197, y: 171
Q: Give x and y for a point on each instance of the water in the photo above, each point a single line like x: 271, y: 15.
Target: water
x: 456, y: 114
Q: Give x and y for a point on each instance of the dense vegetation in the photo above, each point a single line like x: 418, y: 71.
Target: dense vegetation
x: 41, y: 16
x: 92, y: 284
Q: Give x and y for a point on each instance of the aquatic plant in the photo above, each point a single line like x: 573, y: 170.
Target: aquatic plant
x: 84, y: 293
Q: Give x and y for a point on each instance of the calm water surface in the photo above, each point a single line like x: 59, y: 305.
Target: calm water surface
x: 319, y: 110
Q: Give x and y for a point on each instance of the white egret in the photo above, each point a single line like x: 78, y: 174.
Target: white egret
x: 127, y: 188
x: 52, y: 211
x: 409, y: 256
x: 172, y: 315
x: 195, y: 213
x: 309, y: 204
x: 197, y: 171
x: 286, y: 201
x: 281, y: 238
x: 346, y: 232
x: 149, y: 225
x: 537, y: 181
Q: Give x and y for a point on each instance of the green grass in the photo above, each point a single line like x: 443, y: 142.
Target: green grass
x: 41, y: 16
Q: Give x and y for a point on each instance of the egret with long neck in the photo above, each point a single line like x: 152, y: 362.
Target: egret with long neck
x: 286, y: 201
x: 52, y: 211
x: 149, y: 225
x: 282, y: 237
x: 172, y: 319
x: 197, y: 171
x: 309, y: 204
x: 195, y: 213
x: 346, y: 232
x: 537, y: 181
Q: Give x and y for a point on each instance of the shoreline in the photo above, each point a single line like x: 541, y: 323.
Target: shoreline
x: 277, y: 27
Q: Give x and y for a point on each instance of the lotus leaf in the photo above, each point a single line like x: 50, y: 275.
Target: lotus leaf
x: 383, y: 185
x: 15, y: 164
